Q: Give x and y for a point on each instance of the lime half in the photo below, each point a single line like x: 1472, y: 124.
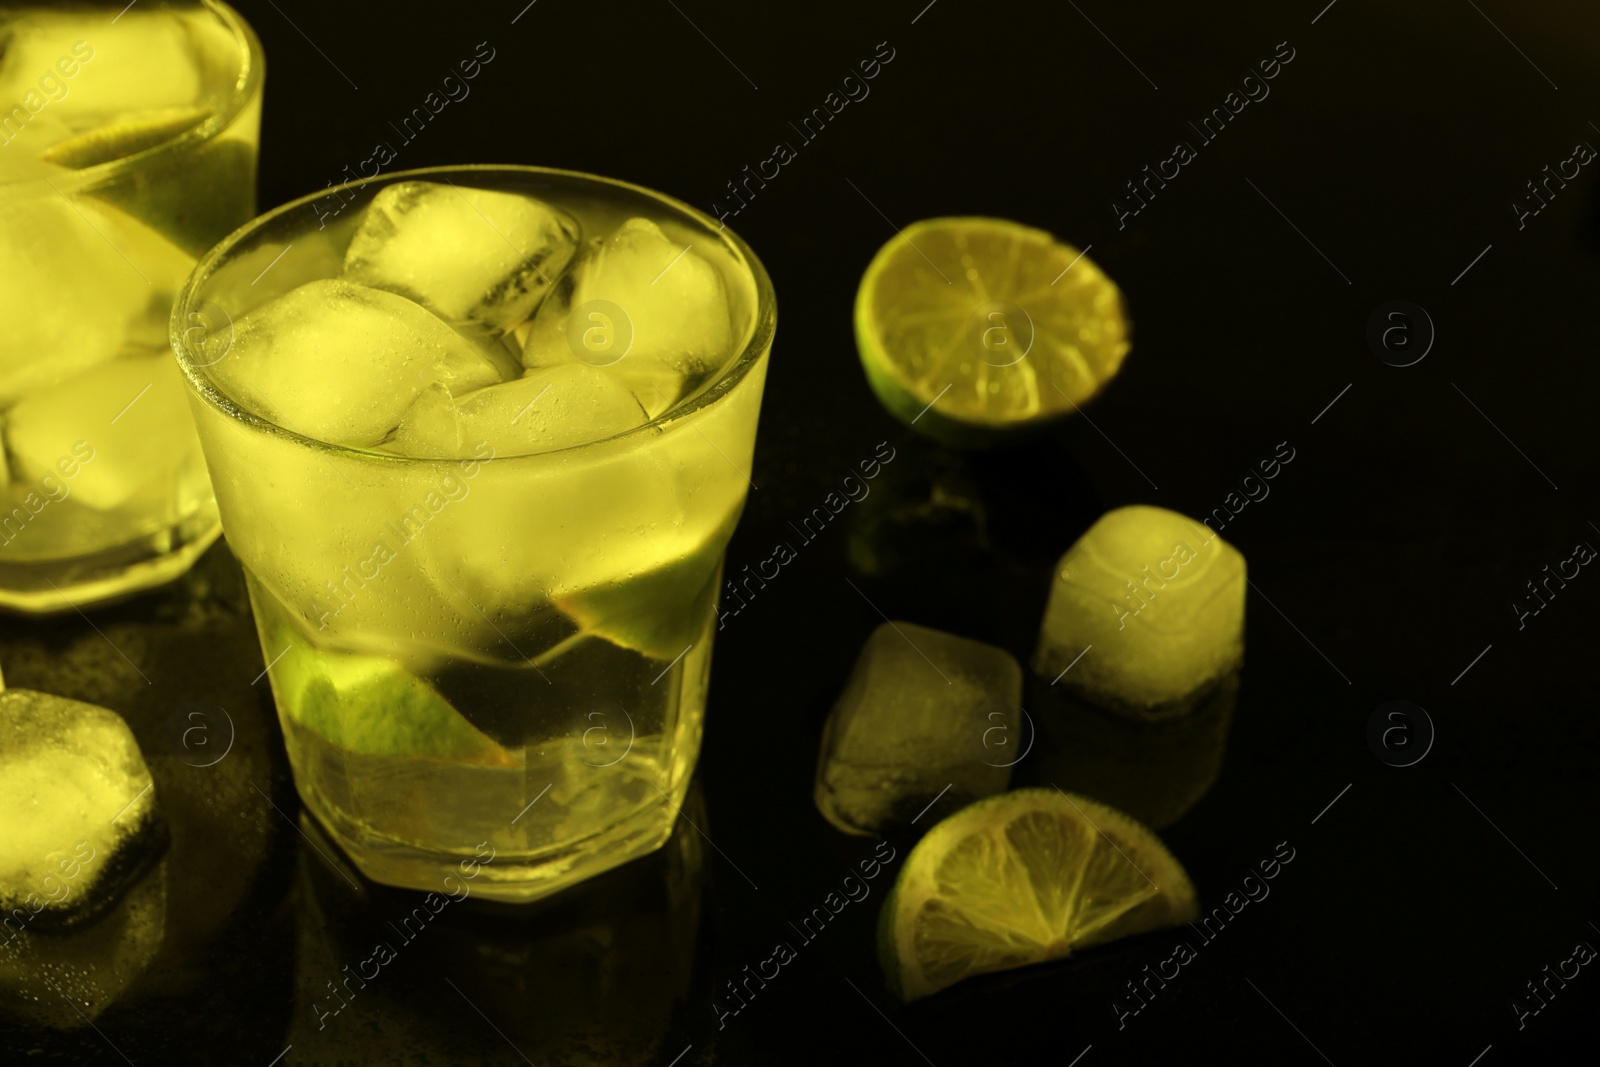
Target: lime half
x: 1020, y: 878
x: 973, y: 328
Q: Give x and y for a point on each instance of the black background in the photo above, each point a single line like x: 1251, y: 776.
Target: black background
x: 1384, y: 561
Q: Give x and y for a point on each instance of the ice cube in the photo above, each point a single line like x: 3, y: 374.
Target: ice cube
x: 544, y: 337
x: 122, y: 426
x: 545, y: 410
x: 469, y: 255
x: 549, y: 409
x: 660, y: 302
x: 342, y: 362
x: 78, y: 281
x: 79, y: 802
x: 430, y: 428
x: 1161, y: 600
x: 913, y: 724
x: 86, y: 68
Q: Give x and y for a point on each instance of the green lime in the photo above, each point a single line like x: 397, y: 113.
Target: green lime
x: 128, y: 136
x: 1021, y: 878
x: 971, y: 329
x: 659, y: 613
x: 377, y: 708
x: 367, y: 704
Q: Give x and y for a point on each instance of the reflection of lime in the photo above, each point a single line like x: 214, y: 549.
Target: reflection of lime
x: 1020, y: 878
x: 972, y: 327
x: 129, y: 136
x: 658, y: 613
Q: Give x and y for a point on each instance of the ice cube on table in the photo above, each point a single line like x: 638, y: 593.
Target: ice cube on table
x: 1161, y: 600
x: 78, y: 280
x: 78, y: 802
x: 117, y: 427
x: 470, y: 255
x: 87, y: 68
x: 559, y: 407
x: 659, y: 301
x: 924, y: 715
x: 341, y: 362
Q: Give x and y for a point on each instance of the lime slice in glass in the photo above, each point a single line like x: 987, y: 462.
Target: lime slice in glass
x: 1021, y: 878
x: 659, y: 612
x: 368, y: 704
x: 128, y: 136
x: 971, y: 329
x: 377, y: 708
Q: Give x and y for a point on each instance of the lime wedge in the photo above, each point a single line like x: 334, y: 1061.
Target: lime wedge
x: 659, y: 613
x: 377, y: 708
x: 128, y: 136
x: 1020, y: 878
x: 973, y: 328
x: 366, y: 704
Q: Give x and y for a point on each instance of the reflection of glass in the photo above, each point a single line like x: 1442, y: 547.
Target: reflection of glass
x: 1155, y: 770
x: 127, y: 147
x: 604, y: 973
x: 511, y: 648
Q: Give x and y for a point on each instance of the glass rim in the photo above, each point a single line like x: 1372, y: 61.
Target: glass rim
x: 246, y: 86
x: 722, y: 384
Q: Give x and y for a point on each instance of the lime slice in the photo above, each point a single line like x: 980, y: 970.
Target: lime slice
x: 128, y: 136
x: 973, y: 328
x: 374, y: 707
x: 658, y: 613
x: 1020, y: 878
x: 366, y: 704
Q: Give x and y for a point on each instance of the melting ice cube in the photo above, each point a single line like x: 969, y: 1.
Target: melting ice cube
x: 78, y: 801
x: 648, y: 309
x: 88, y: 68
x: 916, y: 722
x: 342, y: 362
x: 470, y: 255
x: 120, y: 426
x: 81, y: 280
x: 550, y: 409
x: 1161, y: 600
x: 554, y: 408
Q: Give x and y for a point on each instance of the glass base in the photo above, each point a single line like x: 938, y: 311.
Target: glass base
x: 498, y: 874
x: 44, y: 587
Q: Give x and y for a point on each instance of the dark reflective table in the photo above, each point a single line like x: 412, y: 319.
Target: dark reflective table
x: 1390, y: 559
